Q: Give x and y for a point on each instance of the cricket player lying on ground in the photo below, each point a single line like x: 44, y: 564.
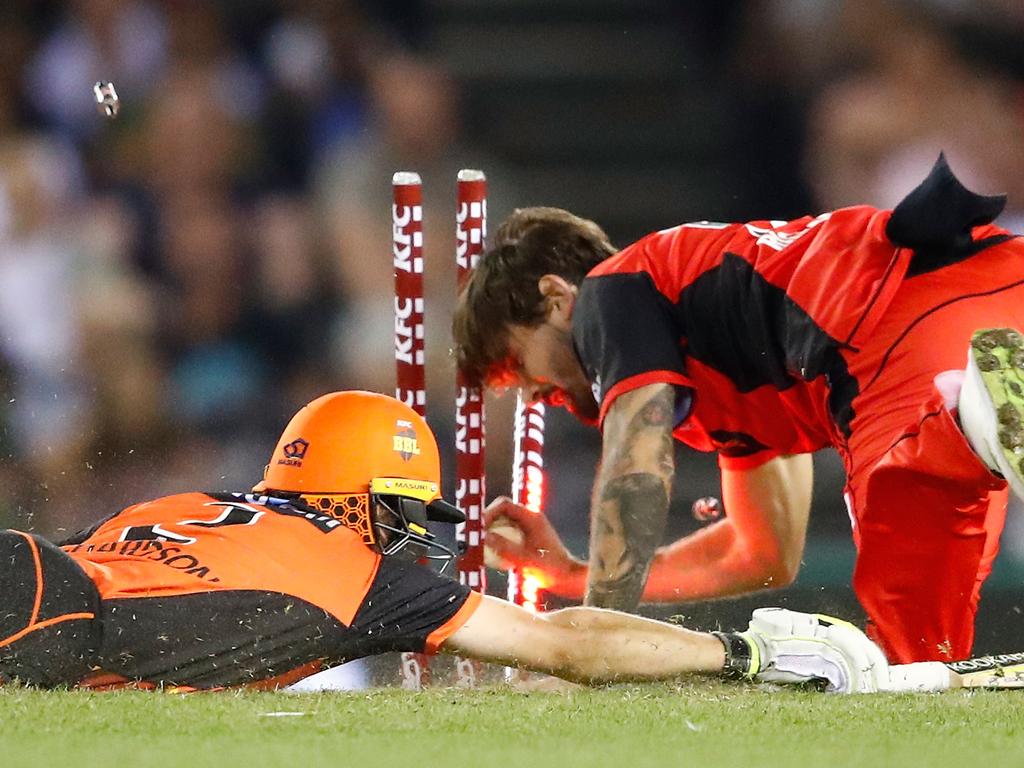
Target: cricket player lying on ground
x: 767, y: 341
x: 319, y: 565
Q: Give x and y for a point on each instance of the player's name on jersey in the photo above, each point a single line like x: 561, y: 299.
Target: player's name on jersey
x: 154, y: 550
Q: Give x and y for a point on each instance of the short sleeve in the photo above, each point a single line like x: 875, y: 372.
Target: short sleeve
x: 626, y: 336
x: 739, y: 463
x: 411, y: 608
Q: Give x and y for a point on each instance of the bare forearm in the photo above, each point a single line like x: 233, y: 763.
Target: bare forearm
x: 614, y: 647
x: 708, y: 564
x: 758, y: 546
x: 631, y: 497
x: 628, y: 528
x: 585, y: 645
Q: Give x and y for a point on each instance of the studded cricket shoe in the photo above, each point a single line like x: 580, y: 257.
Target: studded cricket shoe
x: 991, y: 404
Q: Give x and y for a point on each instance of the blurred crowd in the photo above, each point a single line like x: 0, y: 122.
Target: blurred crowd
x: 175, y: 282
x: 883, y: 86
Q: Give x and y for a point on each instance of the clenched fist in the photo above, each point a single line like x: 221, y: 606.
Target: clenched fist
x: 516, y: 537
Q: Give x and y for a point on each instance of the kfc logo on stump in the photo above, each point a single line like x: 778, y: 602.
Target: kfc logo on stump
x: 404, y: 441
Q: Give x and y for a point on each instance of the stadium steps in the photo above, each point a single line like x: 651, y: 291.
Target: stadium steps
x: 595, y: 105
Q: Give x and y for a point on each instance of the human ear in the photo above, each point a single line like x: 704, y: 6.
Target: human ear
x: 559, y: 295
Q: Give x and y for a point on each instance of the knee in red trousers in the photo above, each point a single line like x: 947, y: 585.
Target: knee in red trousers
x: 927, y: 521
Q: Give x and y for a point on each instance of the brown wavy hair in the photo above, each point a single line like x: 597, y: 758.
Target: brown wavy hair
x: 503, y: 291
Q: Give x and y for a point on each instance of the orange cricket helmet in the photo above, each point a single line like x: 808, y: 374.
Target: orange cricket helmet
x: 347, y: 445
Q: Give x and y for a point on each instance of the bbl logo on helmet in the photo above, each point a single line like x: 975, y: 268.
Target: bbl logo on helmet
x: 404, y: 441
x: 294, y: 452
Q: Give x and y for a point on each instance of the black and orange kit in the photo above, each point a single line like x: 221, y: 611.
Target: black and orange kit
x: 785, y: 337
x: 202, y: 591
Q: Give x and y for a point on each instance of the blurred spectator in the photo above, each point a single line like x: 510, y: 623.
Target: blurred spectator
x: 190, y: 142
x: 39, y: 336
x: 198, y: 40
x: 16, y: 49
x: 216, y: 375
x: 415, y: 126
x: 118, y: 319
x: 316, y: 54
x: 297, y: 302
x: 875, y: 133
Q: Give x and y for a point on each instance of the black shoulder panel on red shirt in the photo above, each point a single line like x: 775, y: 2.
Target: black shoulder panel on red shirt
x: 750, y: 330
x: 736, y: 322
x: 729, y: 318
x: 753, y: 332
x: 623, y: 326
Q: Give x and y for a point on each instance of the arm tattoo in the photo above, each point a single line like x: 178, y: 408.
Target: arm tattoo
x: 630, y: 519
x: 631, y: 499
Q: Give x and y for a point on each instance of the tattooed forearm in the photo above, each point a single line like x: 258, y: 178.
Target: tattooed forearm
x: 631, y: 497
x: 628, y: 525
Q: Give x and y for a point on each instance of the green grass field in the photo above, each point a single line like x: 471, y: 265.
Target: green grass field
x: 699, y: 724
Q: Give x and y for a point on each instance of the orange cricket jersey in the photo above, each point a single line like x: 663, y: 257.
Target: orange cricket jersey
x: 194, y: 542
x: 215, y: 590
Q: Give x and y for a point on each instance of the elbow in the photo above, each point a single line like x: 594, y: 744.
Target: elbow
x: 572, y: 664
x: 776, y: 570
x: 570, y: 652
x: 780, y: 577
x: 557, y: 650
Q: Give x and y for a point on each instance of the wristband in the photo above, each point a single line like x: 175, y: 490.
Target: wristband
x: 742, y: 657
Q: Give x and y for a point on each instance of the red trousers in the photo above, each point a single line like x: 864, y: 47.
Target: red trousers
x: 927, y: 514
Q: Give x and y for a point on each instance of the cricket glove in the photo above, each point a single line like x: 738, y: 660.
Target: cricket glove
x: 782, y: 646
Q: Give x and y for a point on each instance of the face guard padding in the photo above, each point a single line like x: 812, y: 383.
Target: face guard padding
x: 392, y: 518
x: 400, y: 525
x: 402, y: 508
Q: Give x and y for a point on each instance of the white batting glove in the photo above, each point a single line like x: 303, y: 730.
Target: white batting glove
x: 791, y: 647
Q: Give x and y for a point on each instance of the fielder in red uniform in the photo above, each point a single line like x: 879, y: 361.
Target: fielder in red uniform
x: 765, y: 341
x: 319, y: 565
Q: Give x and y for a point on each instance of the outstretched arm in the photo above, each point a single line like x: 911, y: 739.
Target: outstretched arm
x: 630, y: 500
x: 595, y: 646
x: 758, y: 545
x: 585, y: 645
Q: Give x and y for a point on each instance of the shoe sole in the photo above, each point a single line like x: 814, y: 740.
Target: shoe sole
x: 997, y: 355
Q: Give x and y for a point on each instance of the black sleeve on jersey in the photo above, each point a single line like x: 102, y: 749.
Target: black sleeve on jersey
x: 56, y: 638
x: 405, y: 604
x: 623, y: 326
x: 218, y: 638
x: 235, y: 637
x: 85, y: 533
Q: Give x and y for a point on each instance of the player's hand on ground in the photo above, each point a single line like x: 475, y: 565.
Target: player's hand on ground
x: 538, y: 548
x: 802, y: 647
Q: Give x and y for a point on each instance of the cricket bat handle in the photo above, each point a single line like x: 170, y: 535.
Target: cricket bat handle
x: 922, y: 677
x: 1004, y: 670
